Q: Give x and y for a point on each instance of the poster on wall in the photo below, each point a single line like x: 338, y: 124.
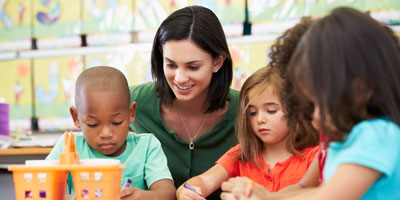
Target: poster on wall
x: 15, y: 25
x: 270, y: 17
x: 149, y: 14
x: 16, y: 90
x: 59, y: 19
x: 247, y: 57
x: 54, y: 84
x: 133, y: 62
x: 321, y: 8
x: 232, y: 23
x: 386, y: 11
x: 224, y: 9
x: 105, y: 22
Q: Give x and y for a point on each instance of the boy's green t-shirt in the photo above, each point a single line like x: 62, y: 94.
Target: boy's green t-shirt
x: 144, y: 158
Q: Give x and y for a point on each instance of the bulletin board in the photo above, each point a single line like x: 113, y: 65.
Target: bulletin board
x: 225, y: 9
x: 109, y: 16
x: 149, y: 14
x: 54, y: 86
x: 271, y: 11
x: 247, y: 58
x: 16, y: 90
x: 133, y: 63
x: 15, y: 20
x: 56, y: 18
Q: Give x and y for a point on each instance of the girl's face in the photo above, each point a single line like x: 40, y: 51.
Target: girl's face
x: 266, y: 116
x: 188, y: 69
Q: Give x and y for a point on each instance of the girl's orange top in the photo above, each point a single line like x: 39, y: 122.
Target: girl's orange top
x: 283, y: 174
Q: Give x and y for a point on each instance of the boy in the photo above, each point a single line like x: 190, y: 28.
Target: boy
x: 103, y: 114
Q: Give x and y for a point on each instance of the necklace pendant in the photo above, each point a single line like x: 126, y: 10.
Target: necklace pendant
x: 191, y: 145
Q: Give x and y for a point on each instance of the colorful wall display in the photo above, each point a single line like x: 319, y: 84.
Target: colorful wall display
x: 15, y: 19
x: 225, y: 9
x: 15, y: 25
x: 16, y: 90
x: 56, y: 18
x: 247, y: 58
x: 54, y: 84
x: 277, y: 10
x: 149, y: 14
x: 108, y: 16
x: 134, y: 63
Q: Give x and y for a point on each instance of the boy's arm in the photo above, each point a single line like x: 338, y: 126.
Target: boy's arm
x: 157, y: 175
x: 205, y: 183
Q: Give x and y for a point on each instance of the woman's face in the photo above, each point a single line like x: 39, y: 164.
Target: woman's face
x: 188, y: 69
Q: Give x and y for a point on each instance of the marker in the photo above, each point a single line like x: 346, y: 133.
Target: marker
x: 187, y: 186
x: 127, y: 183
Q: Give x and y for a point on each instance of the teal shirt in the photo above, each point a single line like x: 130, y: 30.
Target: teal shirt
x: 183, y: 162
x: 145, y: 161
x: 374, y: 144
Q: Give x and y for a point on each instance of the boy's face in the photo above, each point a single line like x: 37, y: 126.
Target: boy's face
x: 104, y: 118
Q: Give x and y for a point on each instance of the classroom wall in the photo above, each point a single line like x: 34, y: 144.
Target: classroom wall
x: 44, y: 45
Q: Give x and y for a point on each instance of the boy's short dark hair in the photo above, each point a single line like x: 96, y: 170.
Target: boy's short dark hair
x: 101, y: 78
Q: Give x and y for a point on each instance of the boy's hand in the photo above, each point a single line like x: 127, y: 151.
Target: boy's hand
x: 187, y: 194
x: 131, y: 193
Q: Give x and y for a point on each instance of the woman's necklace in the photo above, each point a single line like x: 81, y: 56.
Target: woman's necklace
x: 191, y: 144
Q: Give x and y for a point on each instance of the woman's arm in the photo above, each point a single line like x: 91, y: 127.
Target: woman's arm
x: 162, y: 189
x: 205, y: 183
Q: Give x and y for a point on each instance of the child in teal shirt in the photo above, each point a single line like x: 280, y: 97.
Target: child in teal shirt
x: 103, y: 113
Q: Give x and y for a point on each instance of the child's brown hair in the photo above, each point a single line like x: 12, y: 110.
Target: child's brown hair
x: 297, y: 113
x: 302, y: 133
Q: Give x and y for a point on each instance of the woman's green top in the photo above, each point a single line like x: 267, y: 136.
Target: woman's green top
x: 183, y: 162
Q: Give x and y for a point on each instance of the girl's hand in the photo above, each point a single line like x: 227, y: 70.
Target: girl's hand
x: 131, y: 193
x: 187, y: 194
x: 237, y: 188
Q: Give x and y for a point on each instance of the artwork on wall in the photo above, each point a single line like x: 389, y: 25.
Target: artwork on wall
x: 108, y: 22
x: 247, y: 58
x: 57, y: 19
x: 132, y: 61
x: 16, y: 90
x: 54, y: 84
x: 15, y: 25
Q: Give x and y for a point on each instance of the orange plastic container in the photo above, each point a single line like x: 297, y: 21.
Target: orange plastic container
x: 91, y: 180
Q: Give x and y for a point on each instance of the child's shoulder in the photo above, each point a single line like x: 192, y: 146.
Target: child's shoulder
x: 374, y: 131
x: 378, y: 125
x: 312, y: 150
x: 142, y: 138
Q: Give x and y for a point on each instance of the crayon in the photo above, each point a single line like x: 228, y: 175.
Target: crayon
x: 127, y: 183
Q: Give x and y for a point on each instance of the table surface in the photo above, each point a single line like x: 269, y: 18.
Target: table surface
x: 26, y: 151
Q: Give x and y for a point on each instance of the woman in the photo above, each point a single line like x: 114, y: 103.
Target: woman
x: 190, y: 107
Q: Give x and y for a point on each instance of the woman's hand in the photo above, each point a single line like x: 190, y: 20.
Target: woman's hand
x: 186, y: 194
